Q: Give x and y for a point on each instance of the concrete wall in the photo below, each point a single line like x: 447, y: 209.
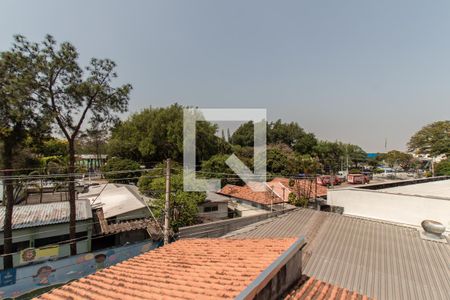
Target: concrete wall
x: 399, y: 208
x: 135, y: 214
x: 287, y: 277
x: 33, y: 233
x: 219, y: 228
x: 220, y: 214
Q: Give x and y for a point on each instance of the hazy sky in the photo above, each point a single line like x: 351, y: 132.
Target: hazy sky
x: 356, y: 71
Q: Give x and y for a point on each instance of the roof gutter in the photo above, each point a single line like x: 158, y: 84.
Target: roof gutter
x: 264, y: 278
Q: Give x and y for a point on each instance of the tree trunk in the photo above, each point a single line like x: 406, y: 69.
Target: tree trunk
x: 9, y: 203
x: 72, y: 203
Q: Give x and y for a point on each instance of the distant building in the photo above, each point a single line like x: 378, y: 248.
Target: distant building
x: 92, y: 162
x: 39, y: 225
x: 121, y: 215
x: 275, y: 197
x: 119, y: 202
x: 215, y: 207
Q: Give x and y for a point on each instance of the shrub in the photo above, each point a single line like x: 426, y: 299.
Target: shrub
x: 116, y: 169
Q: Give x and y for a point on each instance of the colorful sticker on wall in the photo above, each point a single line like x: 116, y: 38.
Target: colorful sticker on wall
x: 36, y: 254
x: 44, y: 275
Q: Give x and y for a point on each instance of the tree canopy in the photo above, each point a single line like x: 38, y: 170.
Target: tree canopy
x: 432, y: 139
x: 155, y: 134
x: 183, y: 205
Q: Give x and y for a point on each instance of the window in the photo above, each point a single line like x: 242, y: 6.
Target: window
x: 210, y: 208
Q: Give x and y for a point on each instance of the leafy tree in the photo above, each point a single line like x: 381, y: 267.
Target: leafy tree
x: 281, y: 160
x: 71, y: 96
x: 292, y: 135
x: 243, y: 136
x: 183, y: 205
x: 216, y: 167
x: 278, y: 132
x: 298, y: 201
x: 432, y: 139
x: 329, y: 154
x: 396, y: 158
x: 305, y: 144
x: 93, y: 140
x: 20, y: 115
x: 443, y: 168
x: 116, y: 169
x: 156, y: 134
x: 52, y: 147
x: 355, y: 154
x: 307, y: 164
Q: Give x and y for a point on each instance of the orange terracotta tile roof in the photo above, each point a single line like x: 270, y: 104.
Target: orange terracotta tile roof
x: 246, y: 193
x: 316, y: 289
x: 304, y: 186
x: 186, y: 269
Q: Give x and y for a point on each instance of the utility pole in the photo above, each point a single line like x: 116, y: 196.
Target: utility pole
x: 167, y: 205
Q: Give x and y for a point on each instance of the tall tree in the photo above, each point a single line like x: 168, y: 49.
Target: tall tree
x: 155, y: 134
x: 432, y: 139
x: 19, y: 115
x: 70, y: 95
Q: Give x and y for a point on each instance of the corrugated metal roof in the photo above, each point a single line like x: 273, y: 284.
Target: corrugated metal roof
x: 25, y: 216
x: 377, y: 259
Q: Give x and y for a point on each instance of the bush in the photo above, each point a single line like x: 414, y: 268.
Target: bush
x: 355, y: 171
x: 116, y: 169
x: 443, y: 168
x: 297, y: 201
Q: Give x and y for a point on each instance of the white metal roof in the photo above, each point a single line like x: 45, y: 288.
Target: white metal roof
x: 114, y: 199
x: 439, y: 189
x: 374, y: 258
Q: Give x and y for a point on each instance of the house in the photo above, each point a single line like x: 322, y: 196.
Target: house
x: 119, y: 202
x: 121, y: 214
x: 39, y: 225
x: 304, y: 187
x: 215, y: 207
x: 248, y: 202
x: 244, y: 201
x: 216, y: 269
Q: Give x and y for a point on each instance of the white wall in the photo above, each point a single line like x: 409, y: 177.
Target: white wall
x: 405, y: 209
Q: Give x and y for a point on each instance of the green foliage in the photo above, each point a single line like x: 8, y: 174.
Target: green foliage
x: 297, y: 201
x: 329, y: 154
x: 216, y: 167
x: 397, y: 158
x: 432, y: 139
x: 115, y: 166
x: 243, y: 136
x: 290, y: 134
x: 354, y: 171
x: 355, y: 153
x: 156, y: 134
x: 20, y: 114
x: 52, y: 147
x: 443, y: 168
x: 183, y: 205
